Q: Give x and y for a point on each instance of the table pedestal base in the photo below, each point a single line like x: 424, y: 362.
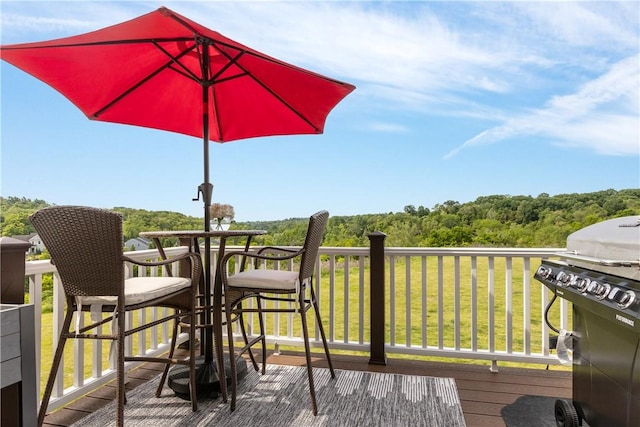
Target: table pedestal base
x: 207, y: 383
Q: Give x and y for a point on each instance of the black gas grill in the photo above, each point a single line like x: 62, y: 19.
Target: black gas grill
x: 600, y: 275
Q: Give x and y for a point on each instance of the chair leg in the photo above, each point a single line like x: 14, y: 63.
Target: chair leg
x: 316, y: 308
x: 192, y: 358
x: 232, y: 356
x: 263, y: 340
x: 246, y: 339
x: 54, y: 366
x: 120, y: 391
x: 219, y: 355
x: 229, y: 311
x: 165, y: 372
x: 307, y: 350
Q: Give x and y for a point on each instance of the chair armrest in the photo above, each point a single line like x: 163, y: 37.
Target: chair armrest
x: 258, y: 255
x: 162, y: 261
x: 278, y: 249
x: 193, y: 258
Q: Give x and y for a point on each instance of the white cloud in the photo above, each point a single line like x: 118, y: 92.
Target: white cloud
x: 603, y: 133
x: 28, y: 21
x: 587, y: 23
x: 603, y: 115
x: 36, y: 24
x: 387, y: 127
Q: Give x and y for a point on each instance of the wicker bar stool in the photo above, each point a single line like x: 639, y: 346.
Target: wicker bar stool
x: 86, y: 246
x: 288, y: 289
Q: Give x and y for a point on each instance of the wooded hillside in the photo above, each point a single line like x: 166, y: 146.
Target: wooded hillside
x: 496, y: 221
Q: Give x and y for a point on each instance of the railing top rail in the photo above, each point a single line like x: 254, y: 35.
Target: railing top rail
x: 38, y: 267
x: 44, y: 266
x: 459, y: 251
x: 475, y: 251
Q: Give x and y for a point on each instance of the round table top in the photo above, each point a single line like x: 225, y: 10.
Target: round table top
x: 192, y: 234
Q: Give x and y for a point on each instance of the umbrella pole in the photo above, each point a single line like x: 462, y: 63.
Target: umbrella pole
x: 212, y: 371
x: 206, y: 188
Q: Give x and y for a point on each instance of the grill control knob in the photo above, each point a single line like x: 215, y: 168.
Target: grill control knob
x: 624, y: 299
x: 583, y: 284
x: 573, y: 280
x: 562, y: 278
x: 545, y: 272
x: 599, y: 290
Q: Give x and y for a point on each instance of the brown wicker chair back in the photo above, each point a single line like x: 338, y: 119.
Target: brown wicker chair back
x: 85, y: 245
x: 315, y: 233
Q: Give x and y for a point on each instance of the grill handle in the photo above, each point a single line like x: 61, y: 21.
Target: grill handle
x: 599, y: 261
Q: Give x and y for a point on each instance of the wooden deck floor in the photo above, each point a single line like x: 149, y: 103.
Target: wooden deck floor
x: 483, y: 393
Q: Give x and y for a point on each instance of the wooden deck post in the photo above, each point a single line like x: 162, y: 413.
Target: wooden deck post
x: 18, y: 396
x: 12, y: 252
x: 377, y: 299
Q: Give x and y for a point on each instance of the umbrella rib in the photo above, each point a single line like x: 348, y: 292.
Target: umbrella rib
x: 147, y: 78
x: 232, y: 61
x: 176, y: 60
x: 263, y: 85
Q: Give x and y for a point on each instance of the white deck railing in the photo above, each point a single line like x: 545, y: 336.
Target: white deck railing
x: 472, y: 303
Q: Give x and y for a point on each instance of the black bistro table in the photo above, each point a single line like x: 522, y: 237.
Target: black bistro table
x: 210, y: 373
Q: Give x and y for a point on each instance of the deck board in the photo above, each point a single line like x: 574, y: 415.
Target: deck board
x: 482, y: 393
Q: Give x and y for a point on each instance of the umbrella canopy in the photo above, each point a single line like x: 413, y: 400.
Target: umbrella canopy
x: 151, y: 71
x: 164, y: 71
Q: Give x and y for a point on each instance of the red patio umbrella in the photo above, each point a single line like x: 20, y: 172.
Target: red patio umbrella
x: 164, y: 71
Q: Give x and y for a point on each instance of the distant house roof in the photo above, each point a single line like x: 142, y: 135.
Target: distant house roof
x: 35, y: 241
x: 138, y: 243
x: 25, y: 237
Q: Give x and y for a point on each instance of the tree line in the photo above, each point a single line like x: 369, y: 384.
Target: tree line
x: 490, y: 221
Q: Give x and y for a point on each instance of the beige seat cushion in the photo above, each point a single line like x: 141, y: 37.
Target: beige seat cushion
x: 265, y: 279
x: 141, y: 289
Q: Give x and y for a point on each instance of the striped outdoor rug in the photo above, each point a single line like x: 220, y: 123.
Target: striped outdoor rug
x: 281, y: 398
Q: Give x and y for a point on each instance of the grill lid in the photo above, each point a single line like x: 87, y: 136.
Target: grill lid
x: 611, y: 246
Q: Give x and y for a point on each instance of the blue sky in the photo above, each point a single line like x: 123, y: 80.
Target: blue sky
x: 454, y: 100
